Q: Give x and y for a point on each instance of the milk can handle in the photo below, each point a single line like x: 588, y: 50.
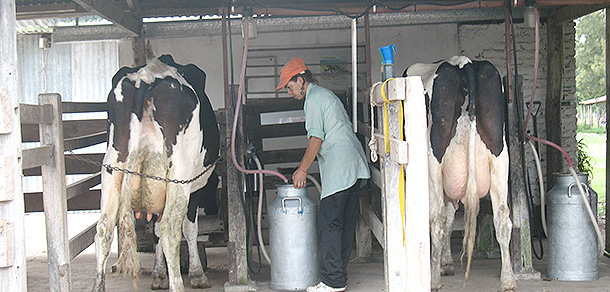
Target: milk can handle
x: 300, y: 210
x: 584, y: 186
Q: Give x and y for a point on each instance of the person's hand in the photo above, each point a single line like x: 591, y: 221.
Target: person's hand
x: 299, y: 178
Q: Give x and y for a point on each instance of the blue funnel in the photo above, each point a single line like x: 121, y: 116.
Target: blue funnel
x: 387, y: 54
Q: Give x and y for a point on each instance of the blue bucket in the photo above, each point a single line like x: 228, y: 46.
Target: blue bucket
x: 387, y: 54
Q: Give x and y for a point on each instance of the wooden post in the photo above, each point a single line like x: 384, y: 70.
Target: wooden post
x: 54, y: 198
x: 138, y: 45
x: 553, y: 97
x: 238, y: 266
x: 407, y: 250
x: 13, y: 270
x: 417, y: 209
x: 521, y: 247
x: 607, y: 127
x: 364, y: 240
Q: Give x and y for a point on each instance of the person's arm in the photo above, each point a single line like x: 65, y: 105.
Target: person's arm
x: 299, y: 177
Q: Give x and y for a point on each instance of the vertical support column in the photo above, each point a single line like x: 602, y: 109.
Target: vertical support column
x: 138, y: 45
x: 607, y: 127
x: 521, y: 246
x: 553, y: 97
x: 354, y: 75
x: 13, y: 271
x: 55, y: 198
x: 417, y: 203
x: 238, y: 267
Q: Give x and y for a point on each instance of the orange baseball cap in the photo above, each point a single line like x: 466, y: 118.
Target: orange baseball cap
x: 295, y: 66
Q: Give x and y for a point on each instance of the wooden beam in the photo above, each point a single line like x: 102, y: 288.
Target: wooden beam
x: 107, y: 9
x: 84, y: 141
x: 553, y: 97
x: 82, y: 186
x: 607, y: 126
x: 36, y: 157
x: 373, y: 222
x: 82, y: 240
x: 569, y: 13
x: 35, y: 114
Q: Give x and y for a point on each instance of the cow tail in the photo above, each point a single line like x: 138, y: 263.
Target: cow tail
x: 128, y: 262
x: 471, y: 205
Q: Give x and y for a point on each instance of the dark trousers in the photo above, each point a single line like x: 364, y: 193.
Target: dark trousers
x: 337, y: 217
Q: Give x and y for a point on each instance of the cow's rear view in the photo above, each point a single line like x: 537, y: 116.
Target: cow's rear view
x: 161, y: 125
x: 468, y: 156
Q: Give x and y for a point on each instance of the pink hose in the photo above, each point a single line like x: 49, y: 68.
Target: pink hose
x: 237, y: 108
x: 531, y: 104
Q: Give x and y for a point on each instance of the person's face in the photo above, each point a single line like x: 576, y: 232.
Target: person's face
x: 294, y: 88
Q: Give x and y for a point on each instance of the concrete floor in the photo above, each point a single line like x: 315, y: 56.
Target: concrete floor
x: 363, y: 276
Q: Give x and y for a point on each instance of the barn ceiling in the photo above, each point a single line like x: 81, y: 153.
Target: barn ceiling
x: 128, y: 14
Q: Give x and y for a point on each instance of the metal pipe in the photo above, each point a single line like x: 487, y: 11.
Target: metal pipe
x: 354, y: 76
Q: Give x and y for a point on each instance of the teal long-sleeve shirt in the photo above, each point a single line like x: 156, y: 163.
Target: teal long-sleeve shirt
x: 341, y: 158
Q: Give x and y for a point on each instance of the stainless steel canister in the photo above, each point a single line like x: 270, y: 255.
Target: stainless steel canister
x: 573, y: 253
x: 293, y: 239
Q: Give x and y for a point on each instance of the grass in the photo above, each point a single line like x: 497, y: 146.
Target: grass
x: 596, y: 149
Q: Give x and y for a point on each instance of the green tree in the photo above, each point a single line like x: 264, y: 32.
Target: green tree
x: 591, y: 56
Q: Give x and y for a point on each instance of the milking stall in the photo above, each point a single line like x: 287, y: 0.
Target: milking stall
x: 465, y: 110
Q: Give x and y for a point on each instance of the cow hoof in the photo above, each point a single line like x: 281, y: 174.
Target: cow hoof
x: 200, y: 282
x: 159, y: 283
x: 447, y: 270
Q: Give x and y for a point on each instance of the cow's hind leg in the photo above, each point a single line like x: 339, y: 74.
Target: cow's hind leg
x: 197, y: 276
x: 159, y: 272
x: 171, y: 233
x: 447, y: 258
x: 105, y: 228
x: 502, y: 222
x: 438, y: 221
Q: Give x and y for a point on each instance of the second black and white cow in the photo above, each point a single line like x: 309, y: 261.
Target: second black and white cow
x: 468, y: 157
x: 160, y: 123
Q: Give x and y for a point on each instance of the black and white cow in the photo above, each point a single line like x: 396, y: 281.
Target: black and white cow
x: 468, y: 157
x: 161, y: 123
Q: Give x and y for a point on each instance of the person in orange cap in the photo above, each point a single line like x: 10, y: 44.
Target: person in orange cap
x: 343, y: 168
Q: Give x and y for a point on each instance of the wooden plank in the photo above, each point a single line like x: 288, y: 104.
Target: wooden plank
x: 268, y: 105
x: 82, y: 186
x: 82, y: 107
x: 554, y: 89
x: 72, y: 128
x: 13, y: 278
x: 82, y: 240
x: 274, y: 131
x: 36, y: 157
x: 107, y: 9
x: 417, y: 208
x: 74, y: 166
x: 35, y: 114
x: 85, y: 141
x: 211, y: 224
x: 607, y: 130
x: 373, y: 222
x: 89, y: 201
x: 55, y: 201
x: 282, y: 156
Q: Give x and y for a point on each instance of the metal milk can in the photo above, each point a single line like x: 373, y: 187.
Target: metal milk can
x: 293, y: 238
x: 572, y: 241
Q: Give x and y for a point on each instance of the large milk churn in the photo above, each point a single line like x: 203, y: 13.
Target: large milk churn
x: 293, y: 239
x: 573, y: 253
